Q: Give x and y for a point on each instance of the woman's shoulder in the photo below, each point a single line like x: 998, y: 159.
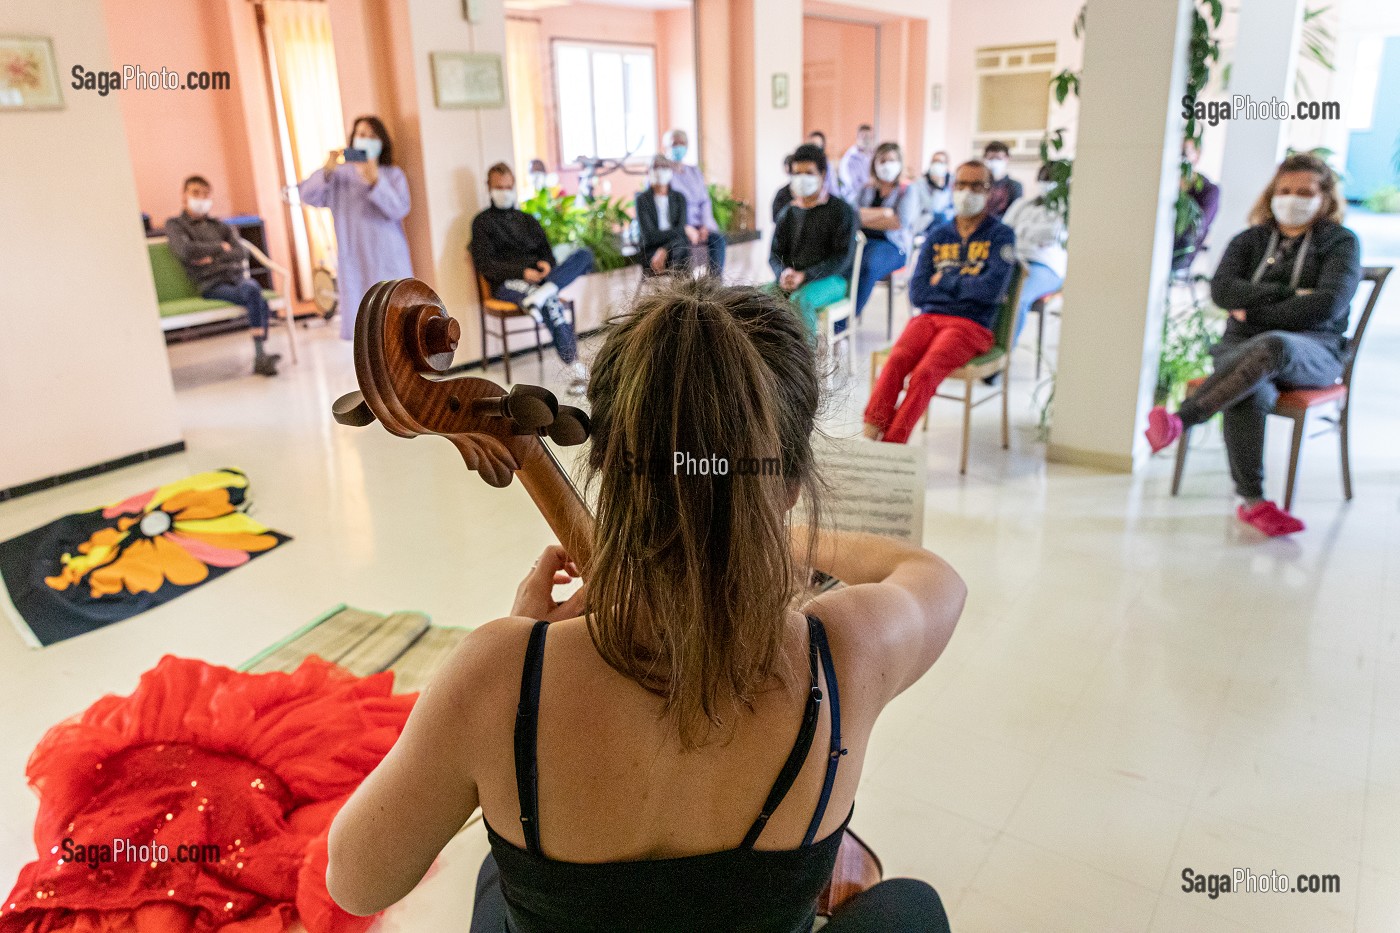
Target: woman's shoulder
x: 487, y: 662
x: 1328, y: 234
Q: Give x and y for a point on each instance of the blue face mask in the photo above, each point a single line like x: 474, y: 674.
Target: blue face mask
x: 370, y: 146
x: 677, y: 152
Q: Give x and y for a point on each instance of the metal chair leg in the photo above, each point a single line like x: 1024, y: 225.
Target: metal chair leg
x: 1298, y: 424
x: 1346, y: 451
x: 1183, y: 443
x: 1006, y: 408
x: 505, y: 349
x: 967, y: 426
x: 481, y: 312
x: 889, y: 320
x: 1039, y: 309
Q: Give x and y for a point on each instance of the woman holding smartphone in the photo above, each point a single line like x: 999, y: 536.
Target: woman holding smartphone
x: 368, y: 197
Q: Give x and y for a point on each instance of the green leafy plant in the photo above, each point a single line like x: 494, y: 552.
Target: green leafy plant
x: 729, y: 210
x: 598, y: 224
x: 1385, y: 200
x: 1187, y: 335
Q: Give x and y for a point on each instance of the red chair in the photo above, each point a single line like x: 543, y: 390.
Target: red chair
x: 502, y: 312
x: 1297, y: 403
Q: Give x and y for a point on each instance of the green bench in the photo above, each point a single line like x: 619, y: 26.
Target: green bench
x: 182, y: 306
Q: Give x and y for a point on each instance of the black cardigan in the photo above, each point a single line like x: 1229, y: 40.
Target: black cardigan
x: 1331, y: 272
x: 652, y: 236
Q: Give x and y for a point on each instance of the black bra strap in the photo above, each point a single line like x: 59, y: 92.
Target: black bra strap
x: 829, y: 669
x: 527, y: 777
x: 798, y: 756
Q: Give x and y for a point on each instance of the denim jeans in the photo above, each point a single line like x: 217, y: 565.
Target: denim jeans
x: 248, y: 294
x: 1040, y: 281
x: 881, y: 257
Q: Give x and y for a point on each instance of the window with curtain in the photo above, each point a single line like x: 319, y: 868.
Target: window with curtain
x: 606, y: 98
x: 301, y: 60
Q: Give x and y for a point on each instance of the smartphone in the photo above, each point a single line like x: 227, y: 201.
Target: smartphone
x: 352, y: 154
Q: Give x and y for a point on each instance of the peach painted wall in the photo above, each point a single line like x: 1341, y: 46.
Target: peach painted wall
x: 838, y: 79
x: 718, y: 133
x: 83, y: 373
x: 174, y: 134
x: 677, y: 89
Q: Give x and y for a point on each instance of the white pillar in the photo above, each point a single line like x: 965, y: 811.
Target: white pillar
x: 777, y: 131
x: 1265, y: 59
x: 1121, y: 224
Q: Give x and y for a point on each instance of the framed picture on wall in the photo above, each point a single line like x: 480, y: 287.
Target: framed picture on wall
x: 468, y: 79
x: 780, y: 90
x: 28, y: 74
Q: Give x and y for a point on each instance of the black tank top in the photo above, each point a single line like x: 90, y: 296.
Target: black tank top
x: 744, y: 890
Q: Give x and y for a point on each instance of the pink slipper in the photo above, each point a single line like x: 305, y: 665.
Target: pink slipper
x: 1270, y: 519
x: 1163, y: 427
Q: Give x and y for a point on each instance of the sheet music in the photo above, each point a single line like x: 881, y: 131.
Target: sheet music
x: 876, y: 488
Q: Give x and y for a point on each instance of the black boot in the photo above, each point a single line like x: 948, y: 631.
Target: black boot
x: 264, y: 363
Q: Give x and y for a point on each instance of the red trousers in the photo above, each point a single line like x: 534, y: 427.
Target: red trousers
x: 931, y: 347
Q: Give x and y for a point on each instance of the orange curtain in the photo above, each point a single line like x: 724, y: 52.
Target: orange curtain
x: 525, y: 75
x: 303, y: 62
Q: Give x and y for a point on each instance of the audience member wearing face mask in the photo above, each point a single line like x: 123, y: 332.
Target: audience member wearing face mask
x: 833, y: 184
x: 933, y: 193
x: 368, y: 197
x: 661, y: 221
x: 701, y: 230
x: 510, y: 250
x: 1005, y: 189
x: 217, y: 264
x: 1287, y: 283
x: 1206, y: 193
x: 814, y: 240
x: 1040, y: 245
x: 888, y: 214
x: 957, y: 287
x: 855, y: 164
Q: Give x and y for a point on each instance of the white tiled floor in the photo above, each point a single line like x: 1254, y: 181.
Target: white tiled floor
x: 1139, y: 685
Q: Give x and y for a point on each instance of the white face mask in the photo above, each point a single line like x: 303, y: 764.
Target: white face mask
x: 1046, y: 187
x: 997, y: 168
x: 539, y: 180
x: 660, y: 176
x: 504, y: 198
x: 938, y: 171
x: 805, y: 186
x: 969, y: 203
x: 200, y: 207
x: 370, y: 146
x: 1292, y: 210
x: 888, y: 171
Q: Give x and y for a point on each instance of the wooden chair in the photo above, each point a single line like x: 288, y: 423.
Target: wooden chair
x: 997, y: 360
x: 842, y: 309
x: 1298, y: 403
x: 503, y: 312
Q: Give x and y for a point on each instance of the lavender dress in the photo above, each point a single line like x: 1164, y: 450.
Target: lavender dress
x: 370, y: 244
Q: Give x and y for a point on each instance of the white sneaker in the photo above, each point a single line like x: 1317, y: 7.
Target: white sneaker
x: 578, y: 378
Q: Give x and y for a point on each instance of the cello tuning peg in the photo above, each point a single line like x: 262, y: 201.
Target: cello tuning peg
x: 528, y: 408
x: 570, y: 428
x: 352, y: 409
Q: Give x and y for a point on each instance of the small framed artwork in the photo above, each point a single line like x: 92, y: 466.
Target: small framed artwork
x: 468, y: 79
x: 28, y: 74
x: 780, y: 90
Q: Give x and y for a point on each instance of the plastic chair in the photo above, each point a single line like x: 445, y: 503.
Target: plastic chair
x: 502, y: 311
x: 842, y: 310
x: 1041, y: 308
x: 997, y: 360
x: 1297, y: 403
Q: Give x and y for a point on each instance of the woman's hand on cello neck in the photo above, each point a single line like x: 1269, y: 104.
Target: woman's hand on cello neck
x: 534, y: 598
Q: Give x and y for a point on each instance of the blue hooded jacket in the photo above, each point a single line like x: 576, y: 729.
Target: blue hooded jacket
x: 976, y: 271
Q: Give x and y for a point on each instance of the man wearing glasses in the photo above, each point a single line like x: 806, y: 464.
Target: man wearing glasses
x: 957, y: 288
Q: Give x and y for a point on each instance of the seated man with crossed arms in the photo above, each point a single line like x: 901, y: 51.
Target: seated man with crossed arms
x: 957, y: 289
